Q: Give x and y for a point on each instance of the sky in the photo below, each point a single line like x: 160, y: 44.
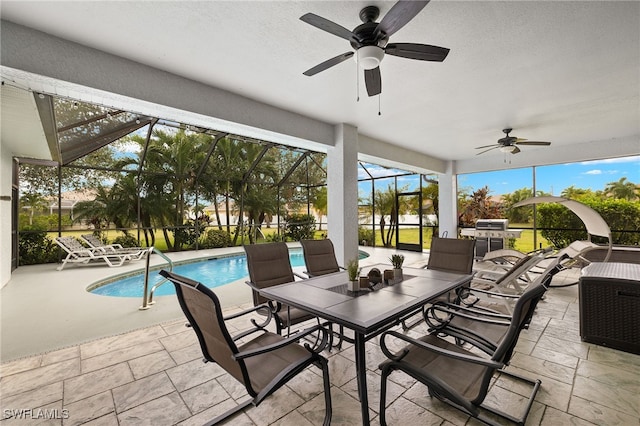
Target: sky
x: 594, y: 175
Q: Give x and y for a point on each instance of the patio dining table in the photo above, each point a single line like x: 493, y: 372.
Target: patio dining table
x: 368, y: 313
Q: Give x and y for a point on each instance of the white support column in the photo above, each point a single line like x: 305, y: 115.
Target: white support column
x: 448, y: 202
x: 342, y: 192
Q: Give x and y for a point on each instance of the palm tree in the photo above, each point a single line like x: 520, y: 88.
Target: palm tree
x: 385, y: 202
x: 34, y: 201
x: 622, y: 189
x: 258, y: 199
x: 224, y: 168
x: 573, y: 193
x: 176, y: 158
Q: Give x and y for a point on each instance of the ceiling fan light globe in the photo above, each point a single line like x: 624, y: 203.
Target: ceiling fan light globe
x: 508, y: 148
x: 369, y: 57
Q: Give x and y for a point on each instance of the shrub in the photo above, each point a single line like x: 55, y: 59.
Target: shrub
x: 215, y: 238
x: 34, y: 247
x: 565, y: 227
x: 275, y: 238
x: 300, y: 227
x: 126, y: 240
x: 366, y: 237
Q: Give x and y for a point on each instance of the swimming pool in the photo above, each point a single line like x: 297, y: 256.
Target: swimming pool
x: 213, y: 272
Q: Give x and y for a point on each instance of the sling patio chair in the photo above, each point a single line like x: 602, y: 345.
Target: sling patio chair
x: 269, y: 265
x: 263, y: 363
x: 77, y: 253
x: 448, y: 255
x: 458, y: 376
x: 482, y: 325
x: 319, y: 257
x: 136, y: 253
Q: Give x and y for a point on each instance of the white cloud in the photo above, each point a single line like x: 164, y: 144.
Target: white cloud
x: 633, y: 159
x: 128, y: 147
x: 593, y: 172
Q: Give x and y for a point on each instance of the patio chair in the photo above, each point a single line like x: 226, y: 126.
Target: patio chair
x: 77, y: 253
x: 448, y: 255
x: 264, y: 363
x: 482, y: 326
x: 319, y: 257
x: 136, y: 253
x: 456, y: 375
x: 575, y: 255
x: 514, y: 279
x: 451, y: 255
x: 269, y: 265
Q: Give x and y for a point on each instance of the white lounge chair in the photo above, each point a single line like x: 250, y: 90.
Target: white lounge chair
x: 136, y: 253
x: 77, y: 253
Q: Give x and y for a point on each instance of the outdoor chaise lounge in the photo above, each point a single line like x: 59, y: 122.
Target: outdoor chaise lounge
x: 77, y: 253
x: 262, y: 361
x: 136, y: 253
x: 480, y: 324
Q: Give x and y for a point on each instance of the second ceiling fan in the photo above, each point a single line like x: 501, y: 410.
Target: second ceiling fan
x: 508, y: 144
x: 370, y: 41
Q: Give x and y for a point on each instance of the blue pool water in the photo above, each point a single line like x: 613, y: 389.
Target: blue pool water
x: 213, y: 272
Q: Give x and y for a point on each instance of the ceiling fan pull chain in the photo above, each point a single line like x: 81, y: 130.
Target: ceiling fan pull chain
x: 357, y: 79
x: 379, y: 96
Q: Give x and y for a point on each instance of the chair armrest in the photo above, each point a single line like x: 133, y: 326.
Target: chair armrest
x: 493, y: 293
x: 289, y: 340
x: 256, y: 326
x: 248, y: 311
x: 482, y: 316
x: 424, y: 345
x: 469, y: 312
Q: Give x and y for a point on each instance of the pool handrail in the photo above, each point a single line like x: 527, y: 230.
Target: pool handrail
x: 146, y: 301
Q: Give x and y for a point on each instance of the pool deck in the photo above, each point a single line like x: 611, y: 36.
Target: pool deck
x: 148, y: 368
x: 42, y: 309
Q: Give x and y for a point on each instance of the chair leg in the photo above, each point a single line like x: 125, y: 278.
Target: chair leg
x: 383, y: 395
x: 229, y: 413
x: 324, y: 364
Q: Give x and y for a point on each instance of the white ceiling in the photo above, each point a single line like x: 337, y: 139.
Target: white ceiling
x: 561, y: 71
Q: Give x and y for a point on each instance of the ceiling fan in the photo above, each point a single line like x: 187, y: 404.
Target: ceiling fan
x: 369, y: 41
x: 508, y: 144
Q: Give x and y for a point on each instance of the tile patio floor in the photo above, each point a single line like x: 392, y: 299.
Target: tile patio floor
x: 155, y: 376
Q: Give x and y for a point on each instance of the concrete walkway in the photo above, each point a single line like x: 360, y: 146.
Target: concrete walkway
x: 42, y: 309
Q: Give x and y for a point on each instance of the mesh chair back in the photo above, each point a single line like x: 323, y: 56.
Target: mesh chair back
x: 524, y: 309
x: 268, y: 265
x: 202, y: 308
x: 319, y: 257
x: 451, y: 255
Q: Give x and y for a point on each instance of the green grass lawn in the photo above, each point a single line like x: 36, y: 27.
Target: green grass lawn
x: 409, y: 235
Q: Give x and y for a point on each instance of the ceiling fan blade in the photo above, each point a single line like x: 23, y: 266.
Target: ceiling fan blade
x: 328, y: 26
x: 486, y: 150
x: 534, y: 143
x: 515, y: 150
x: 421, y: 52
x: 400, y: 14
x: 373, y: 81
x: 486, y: 146
x: 328, y: 64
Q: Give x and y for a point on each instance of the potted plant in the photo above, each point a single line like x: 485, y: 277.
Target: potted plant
x: 353, y: 271
x: 397, y: 260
